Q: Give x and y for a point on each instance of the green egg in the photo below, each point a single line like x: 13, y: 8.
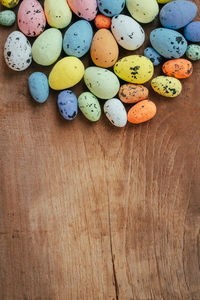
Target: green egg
x: 90, y: 107
x: 7, y: 18
x: 193, y: 52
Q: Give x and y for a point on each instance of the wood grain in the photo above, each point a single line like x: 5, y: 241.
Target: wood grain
x: 89, y: 211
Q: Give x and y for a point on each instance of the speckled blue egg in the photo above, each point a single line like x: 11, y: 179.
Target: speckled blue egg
x: 78, y: 38
x: 168, y: 43
x: 111, y: 8
x: 153, y: 55
x: 192, y: 32
x: 38, y: 86
x: 177, y: 14
x: 68, y: 104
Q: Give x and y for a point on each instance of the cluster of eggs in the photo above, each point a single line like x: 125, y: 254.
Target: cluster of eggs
x: 114, y: 29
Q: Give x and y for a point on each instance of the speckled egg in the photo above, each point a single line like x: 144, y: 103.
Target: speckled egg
x: 128, y: 33
x: 38, y: 86
x: 166, y: 86
x: 131, y: 93
x: 7, y: 18
x: 177, y: 14
x: 86, y: 9
x: 101, y: 82
x: 9, y: 3
x: 192, y: 32
x: 153, y: 55
x: 90, y: 107
x: 141, y: 112
x: 78, y: 38
x: 104, y: 50
x: 31, y: 19
x: 58, y: 13
x: 111, y: 8
x: 134, y: 69
x: 168, y: 43
x: 66, y: 73
x: 102, y: 21
x: 164, y: 1
x: 115, y: 112
x: 17, y: 51
x: 179, y: 68
x: 68, y: 105
x: 144, y: 11
x: 47, y: 47
x: 193, y: 52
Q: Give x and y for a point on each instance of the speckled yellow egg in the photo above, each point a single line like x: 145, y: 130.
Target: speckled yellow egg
x: 144, y: 11
x: 167, y: 86
x: 134, y: 69
x: 164, y: 1
x: 9, y: 3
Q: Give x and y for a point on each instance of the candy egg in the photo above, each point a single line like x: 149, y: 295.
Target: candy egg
x: 111, y: 8
x: 102, y: 21
x: 115, y: 112
x: 9, y: 3
x: 166, y: 86
x: 153, y: 55
x: 144, y: 11
x: 86, y: 9
x: 192, y: 32
x: 178, y: 68
x: 68, y: 105
x: 58, y: 13
x: 7, y: 18
x: 90, y: 107
x: 38, y: 86
x: 193, y: 52
x: 130, y: 93
x: 141, y: 112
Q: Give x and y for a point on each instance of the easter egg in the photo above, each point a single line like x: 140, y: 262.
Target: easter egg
x: 134, y: 69
x: 166, y: 86
x: 66, y: 73
x: 90, y: 107
x: 102, y: 21
x: 168, y: 43
x: 86, y: 9
x: 128, y: 33
x: 164, y: 1
x: 7, y: 18
x: 68, y: 105
x: 38, y: 86
x: 153, y: 55
x: 178, y: 68
x: 115, y: 112
x: 193, y: 52
x: 47, y: 47
x: 141, y: 112
x: 9, y: 3
x: 144, y: 11
x: 192, y: 32
x: 17, y: 51
x: 101, y: 82
x: 131, y: 93
x: 58, y: 13
x: 31, y: 19
x: 111, y: 8
x: 104, y: 50
x: 78, y: 38
x: 177, y: 14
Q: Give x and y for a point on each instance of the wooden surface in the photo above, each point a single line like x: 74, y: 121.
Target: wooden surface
x: 89, y: 211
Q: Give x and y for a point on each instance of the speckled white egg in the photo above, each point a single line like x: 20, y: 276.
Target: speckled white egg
x: 17, y: 51
x: 128, y: 33
x: 115, y: 112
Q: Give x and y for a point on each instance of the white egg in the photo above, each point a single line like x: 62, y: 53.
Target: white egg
x: 115, y: 112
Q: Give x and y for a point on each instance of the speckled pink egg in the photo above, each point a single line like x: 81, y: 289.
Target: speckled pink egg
x: 31, y: 18
x: 86, y: 9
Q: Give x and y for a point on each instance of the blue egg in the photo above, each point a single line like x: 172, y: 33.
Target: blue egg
x: 192, y: 32
x: 111, y: 8
x: 38, y: 86
x: 68, y: 104
x: 177, y: 14
x: 153, y: 55
x: 168, y: 43
x: 78, y: 38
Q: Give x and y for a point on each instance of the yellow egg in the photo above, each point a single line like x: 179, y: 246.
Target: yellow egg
x: 164, y: 1
x: 66, y: 73
x: 144, y: 11
x: 58, y: 13
x: 9, y: 3
x: 167, y: 86
x: 134, y: 69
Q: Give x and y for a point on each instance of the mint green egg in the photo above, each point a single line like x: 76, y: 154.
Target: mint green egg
x: 90, y: 107
x: 7, y: 18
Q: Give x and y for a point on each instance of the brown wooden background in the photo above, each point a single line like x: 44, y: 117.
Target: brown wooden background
x: 89, y: 211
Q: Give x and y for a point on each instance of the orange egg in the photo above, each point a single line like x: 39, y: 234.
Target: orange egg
x: 131, y: 93
x: 102, y: 21
x: 179, y: 68
x: 104, y: 50
x: 142, y: 112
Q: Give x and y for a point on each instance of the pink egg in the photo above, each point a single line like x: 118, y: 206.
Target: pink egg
x: 31, y: 18
x: 86, y: 9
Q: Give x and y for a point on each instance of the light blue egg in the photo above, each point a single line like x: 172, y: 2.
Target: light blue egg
x: 38, y: 86
x: 153, y: 55
x: 68, y: 104
x: 168, y: 43
x: 111, y: 8
x: 78, y: 38
x: 192, y: 32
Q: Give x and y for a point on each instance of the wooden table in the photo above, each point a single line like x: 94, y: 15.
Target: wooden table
x: 90, y: 211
